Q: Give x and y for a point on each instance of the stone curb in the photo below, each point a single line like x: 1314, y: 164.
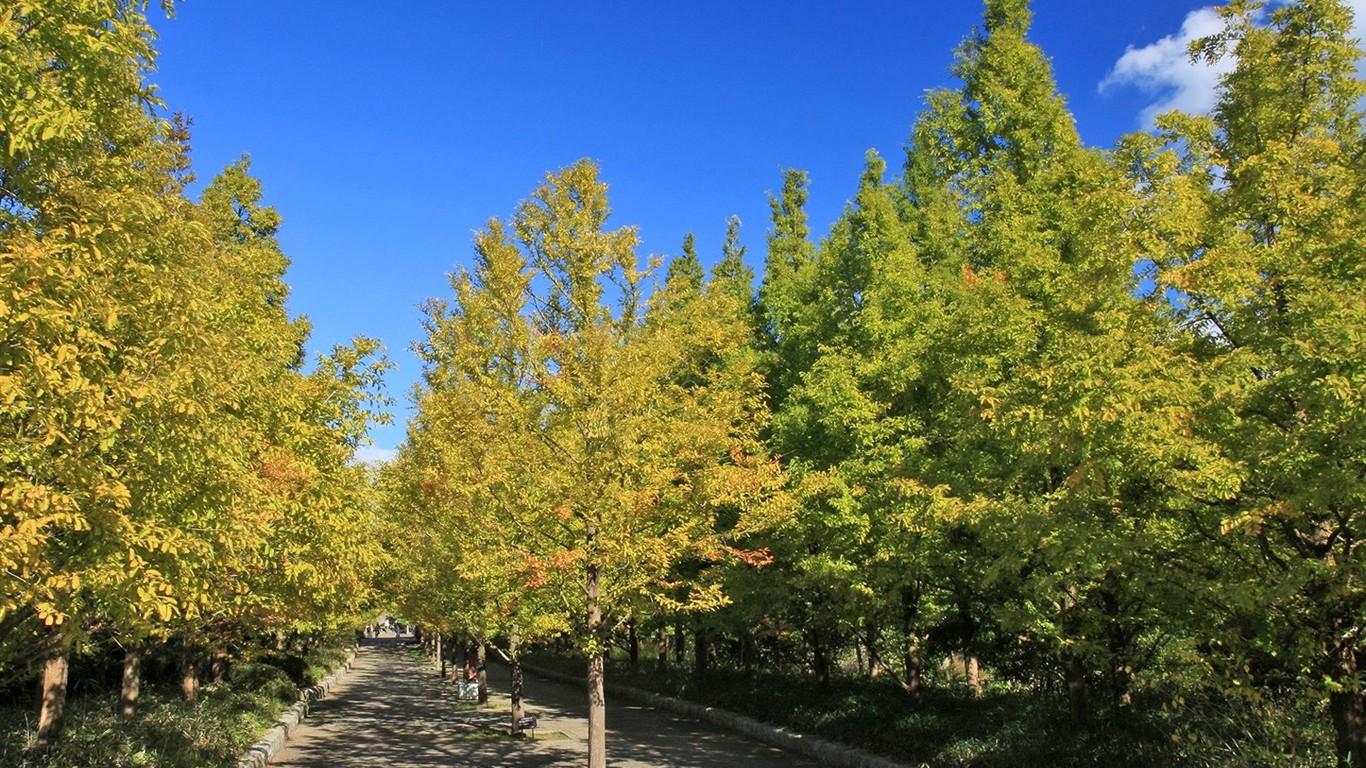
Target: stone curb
x: 260, y: 754
x: 823, y: 751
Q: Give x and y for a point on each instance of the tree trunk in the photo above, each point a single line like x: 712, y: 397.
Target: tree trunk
x: 910, y: 651
x: 1077, y: 699
x: 915, y: 674
x: 222, y: 662
x: 678, y: 643
x: 1349, y: 712
x: 438, y: 661
x: 481, y: 658
x: 597, y: 702
x: 820, y: 664
x: 749, y: 652
x: 53, y: 703
x: 515, y: 677
x: 1349, y: 724
x: 633, y: 642
x: 875, y: 665
x: 972, y: 670
x: 662, y: 648
x: 132, y: 681
x: 189, y: 675
x: 701, y: 653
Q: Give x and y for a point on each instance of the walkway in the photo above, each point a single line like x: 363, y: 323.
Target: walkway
x: 390, y: 710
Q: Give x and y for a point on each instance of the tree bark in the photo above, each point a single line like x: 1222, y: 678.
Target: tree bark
x: 910, y: 650
x: 53, y: 703
x: 1077, y: 699
x: 972, y: 667
x: 875, y: 665
x: 749, y: 652
x: 701, y: 653
x: 1349, y: 712
x: 438, y: 660
x: 662, y: 647
x: 132, y: 681
x: 915, y: 673
x: 597, y: 702
x: 515, y: 673
x: 678, y: 643
x: 597, y: 714
x: 189, y: 675
x: 222, y: 662
x: 633, y: 642
x: 481, y: 658
x: 820, y: 663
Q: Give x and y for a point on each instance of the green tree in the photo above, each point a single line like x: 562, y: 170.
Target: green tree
x: 1033, y: 364
x: 1256, y: 233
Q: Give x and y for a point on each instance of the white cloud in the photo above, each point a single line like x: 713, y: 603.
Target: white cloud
x: 1164, y: 68
x: 369, y: 454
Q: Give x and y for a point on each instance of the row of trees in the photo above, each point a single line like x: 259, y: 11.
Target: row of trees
x: 1090, y: 418
x: 173, y: 475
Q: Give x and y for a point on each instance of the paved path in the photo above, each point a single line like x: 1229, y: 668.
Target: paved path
x: 391, y: 711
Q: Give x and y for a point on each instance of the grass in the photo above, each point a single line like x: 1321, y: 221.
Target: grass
x: 167, y: 732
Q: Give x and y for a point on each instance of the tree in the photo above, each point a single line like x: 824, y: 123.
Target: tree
x: 1257, y: 246
x: 632, y: 460
x: 94, y: 242
x: 1030, y: 361
x: 159, y: 436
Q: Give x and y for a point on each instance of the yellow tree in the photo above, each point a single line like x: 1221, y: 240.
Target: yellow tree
x: 614, y: 465
x: 294, y: 529
x: 441, y: 504
x: 95, y: 248
x: 150, y: 377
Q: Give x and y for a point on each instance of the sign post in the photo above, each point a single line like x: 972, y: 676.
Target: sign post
x: 527, y: 723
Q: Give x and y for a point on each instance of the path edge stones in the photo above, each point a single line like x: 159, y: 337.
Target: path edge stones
x: 260, y: 754
x: 826, y: 752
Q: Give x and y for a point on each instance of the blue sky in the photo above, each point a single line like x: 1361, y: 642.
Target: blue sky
x: 386, y: 134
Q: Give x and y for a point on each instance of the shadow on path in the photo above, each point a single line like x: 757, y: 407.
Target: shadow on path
x: 392, y: 710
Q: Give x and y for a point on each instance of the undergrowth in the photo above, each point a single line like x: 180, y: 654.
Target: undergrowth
x: 167, y: 732
x: 1008, y: 727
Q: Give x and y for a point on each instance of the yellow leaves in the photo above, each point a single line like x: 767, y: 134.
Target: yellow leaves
x: 1250, y: 521
x: 987, y: 407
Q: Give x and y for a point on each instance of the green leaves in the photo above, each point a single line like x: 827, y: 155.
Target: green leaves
x: 1264, y: 264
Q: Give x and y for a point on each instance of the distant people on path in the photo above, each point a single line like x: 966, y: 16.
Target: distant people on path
x: 469, y: 689
x: 385, y: 626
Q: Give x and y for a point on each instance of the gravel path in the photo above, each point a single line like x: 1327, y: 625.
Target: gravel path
x: 390, y: 710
